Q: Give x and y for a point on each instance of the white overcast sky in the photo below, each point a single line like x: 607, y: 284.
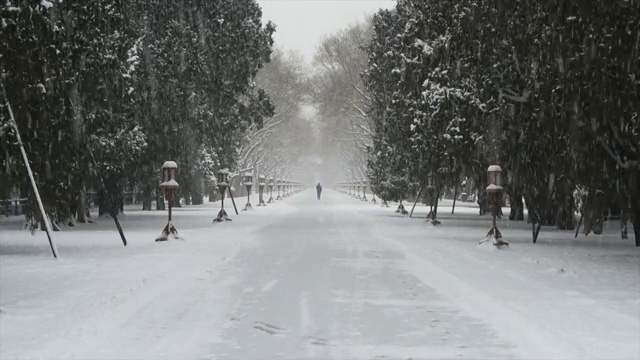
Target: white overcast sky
x: 300, y: 24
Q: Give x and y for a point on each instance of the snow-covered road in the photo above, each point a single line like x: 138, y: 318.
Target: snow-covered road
x: 336, y: 278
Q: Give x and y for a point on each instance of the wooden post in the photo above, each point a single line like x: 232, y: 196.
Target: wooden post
x: 233, y: 200
x: 416, y: 202
x: 455, y: 197
x: 43, y: 213
x: 110, y: 208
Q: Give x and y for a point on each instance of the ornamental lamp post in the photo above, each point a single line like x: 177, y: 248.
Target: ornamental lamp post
x: 373, y: 195
x: 494, y: 190
x: 279, y: 186
x: 364, y: 190
x: 223, y: 185
x: 248, y: 183
x: 169, y: 185
x: 271, y: 180
x: 431, y: 193
x: 261, y: 185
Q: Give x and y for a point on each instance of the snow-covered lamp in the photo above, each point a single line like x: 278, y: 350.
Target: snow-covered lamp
x: 430, y: 182
x: 248, y: 183
x: 271, y: 183
x: 169, y: 185
x: 279, y: 186
x: 248, y: 179
x: 169, y: 175
x: 261, y: 184
x: 494, y: 177
x: 494, y: 190
x: 364, y: 190
x: 223, y: 178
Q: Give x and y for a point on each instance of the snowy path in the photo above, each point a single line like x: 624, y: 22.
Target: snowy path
x: 335, y: 278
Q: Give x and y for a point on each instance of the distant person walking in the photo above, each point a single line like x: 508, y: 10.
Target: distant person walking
x: 319, y: 190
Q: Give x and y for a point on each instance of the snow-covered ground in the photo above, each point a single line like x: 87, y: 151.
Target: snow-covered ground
x: 336, y: 278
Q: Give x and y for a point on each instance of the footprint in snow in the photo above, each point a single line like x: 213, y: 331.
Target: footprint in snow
x: 268, y: 328
x: 318, y: 341
x: 269, y: 325
x: 265, y: 329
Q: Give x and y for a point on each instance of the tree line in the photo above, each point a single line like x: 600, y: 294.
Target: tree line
x: 549, y: 90
x: 105, y: 91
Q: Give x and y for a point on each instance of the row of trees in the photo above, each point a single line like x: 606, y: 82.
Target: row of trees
x: 113, y: 88
x: 342, y: 102
x: 547, y: 89
x: 275, y: 148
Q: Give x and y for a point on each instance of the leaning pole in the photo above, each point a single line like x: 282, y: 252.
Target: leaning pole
x: 45, y: 219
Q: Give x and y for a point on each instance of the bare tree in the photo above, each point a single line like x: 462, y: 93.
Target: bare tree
x: 341, y: 98
x: 276, y: 145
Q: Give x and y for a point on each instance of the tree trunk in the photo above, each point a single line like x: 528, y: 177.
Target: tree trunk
x: 594, y: 213
x: 197, y: 198
x: 160, y: 201
x: 565, y: 217
x: 517, y: 207
x: 177, y: 196
x: 564, y: 205
x: 212, y: 195
x: 106, y: 208
x: 82, y: 206
x: 531, y: 216
x: 623, y: 225
x: 146, y: 196
x: 635, y: 214
x: 103, y: 205
x: 102, y: 210
x: 482, y: 201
